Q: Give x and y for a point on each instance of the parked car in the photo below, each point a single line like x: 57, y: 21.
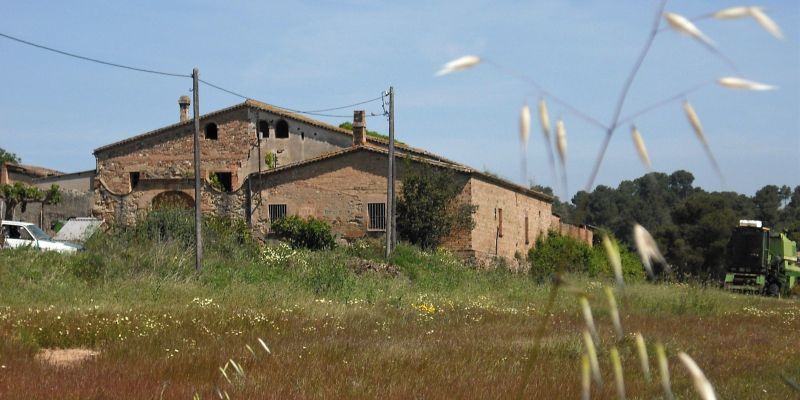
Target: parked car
x: 26, y: 234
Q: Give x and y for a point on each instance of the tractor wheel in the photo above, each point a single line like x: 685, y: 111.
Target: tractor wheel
x: 774, y: 290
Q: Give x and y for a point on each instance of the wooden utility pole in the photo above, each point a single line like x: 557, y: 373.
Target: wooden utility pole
x: 390, y: 207
x: 198, y: 212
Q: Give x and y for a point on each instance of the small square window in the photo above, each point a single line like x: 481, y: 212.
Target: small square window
x: 222, y: 181
x: 134, y: 176
x: 377, y: 216
x: 276, y: 211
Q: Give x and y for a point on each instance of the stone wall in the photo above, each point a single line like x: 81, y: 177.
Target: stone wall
x: 338, y: 189
x: 502, y: 219
x: 165, y: 159
x: 73, y: 204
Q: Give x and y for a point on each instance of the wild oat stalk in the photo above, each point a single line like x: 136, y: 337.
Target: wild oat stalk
x: 592, y: 352
x: 614, y: 313
x: 588, y: 318
x: 732, y: 82
x: 694, y: 121
x: 619, y: 379
x: 638, y: 143
x: 663, y: 369
x: 644, y: 361
x: 701, y: 384
x: 648, y: 249
x: 612, y: 253
x: 586, y: 377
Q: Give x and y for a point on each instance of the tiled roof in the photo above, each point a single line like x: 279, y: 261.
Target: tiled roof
x: 426, y: 160
x: 33, y: 170
x: 374, y: 144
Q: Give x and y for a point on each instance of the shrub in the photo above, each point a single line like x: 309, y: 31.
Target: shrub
x: 428, y: 210
x: 310, y: 233
x: 557, y: 253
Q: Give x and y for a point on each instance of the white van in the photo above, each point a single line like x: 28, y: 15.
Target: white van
x: 22, y: 234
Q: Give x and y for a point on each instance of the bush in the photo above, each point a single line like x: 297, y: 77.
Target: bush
x: 428, y: 211
x: 309, y: 233
x: 557, y: 253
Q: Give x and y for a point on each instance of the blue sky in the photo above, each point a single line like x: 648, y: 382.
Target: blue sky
x: 317, y: 54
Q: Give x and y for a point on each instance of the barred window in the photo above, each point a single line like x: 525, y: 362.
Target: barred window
x: 377, y: 216
x: 277, y: 211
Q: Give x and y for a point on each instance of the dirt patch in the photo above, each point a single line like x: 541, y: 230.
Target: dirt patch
x: 65, y: 357
x: 360, y: 266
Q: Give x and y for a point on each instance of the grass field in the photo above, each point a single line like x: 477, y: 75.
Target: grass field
x: 432, y: 328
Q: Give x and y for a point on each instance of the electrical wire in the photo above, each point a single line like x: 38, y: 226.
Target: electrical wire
x: 111, y: 64
x: 319, y: 112
x: 307, y: 112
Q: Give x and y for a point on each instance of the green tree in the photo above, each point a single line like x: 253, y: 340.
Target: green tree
x: 429, y: 210
x: 563, y: 209
x: 21, y: 194
x: 768, y: 202
x: 8, y: 157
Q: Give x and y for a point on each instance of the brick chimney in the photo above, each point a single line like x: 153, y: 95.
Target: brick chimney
x: 359, y: 128
x: 4, y: 175
x: 184, y: 103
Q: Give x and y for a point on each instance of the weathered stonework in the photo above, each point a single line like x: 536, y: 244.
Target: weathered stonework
x: 319, y: 171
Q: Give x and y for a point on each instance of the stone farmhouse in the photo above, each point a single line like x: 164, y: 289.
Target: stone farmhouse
x: 260, y: 163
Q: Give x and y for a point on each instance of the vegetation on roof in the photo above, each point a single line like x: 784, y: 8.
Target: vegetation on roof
x: 349, y: 126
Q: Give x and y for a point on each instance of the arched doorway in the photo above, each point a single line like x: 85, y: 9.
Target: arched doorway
x: 173, y: 199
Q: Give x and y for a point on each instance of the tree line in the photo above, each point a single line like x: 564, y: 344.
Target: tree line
x: 692, y: 226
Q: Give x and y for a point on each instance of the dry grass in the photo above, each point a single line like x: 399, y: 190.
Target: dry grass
x: 427, y: 347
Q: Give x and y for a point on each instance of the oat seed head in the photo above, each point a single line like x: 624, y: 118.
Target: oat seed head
x: 733, y: 13
x: 638, y: 142
x: 701, y: 384
x: 544, y: 118
x: 619, y: 379
x: 732, y: 82
x: 524, y: 125
x: 614, y: 313
x: 663, y: 369
x: 694, y: 120
x: 250, y: 349
x: 587, y: 317
x: 612, y: 253
x: 766, y: 22
x: 561, y: 140
x: 225, y: 374
x: 586, y: 377
x: 641, y: 349
x: 264, y: 346
x: 459, y: 64
x: 686, y: 27
x: 647, y: 248
x: 592, y: 352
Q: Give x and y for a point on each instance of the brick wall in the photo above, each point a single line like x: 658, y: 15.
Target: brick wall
x: 495, y: 203
x: 336, y: 190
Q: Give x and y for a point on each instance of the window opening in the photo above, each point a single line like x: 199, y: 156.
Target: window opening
x: 222, y: 181
x: 276, y: 211
x: 527, y: 239
x: 211, y: 131
x: 377, y: 216
x: 500, y: 222
x: 134, y: 179
x: 263, y: 130
x: 282, y: 130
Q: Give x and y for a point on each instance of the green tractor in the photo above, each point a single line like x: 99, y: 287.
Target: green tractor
x: 761, y: 261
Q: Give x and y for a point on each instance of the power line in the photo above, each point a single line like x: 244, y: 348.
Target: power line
x: 308, y: 112
x: 151, y: 71
x: 111, y: 64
